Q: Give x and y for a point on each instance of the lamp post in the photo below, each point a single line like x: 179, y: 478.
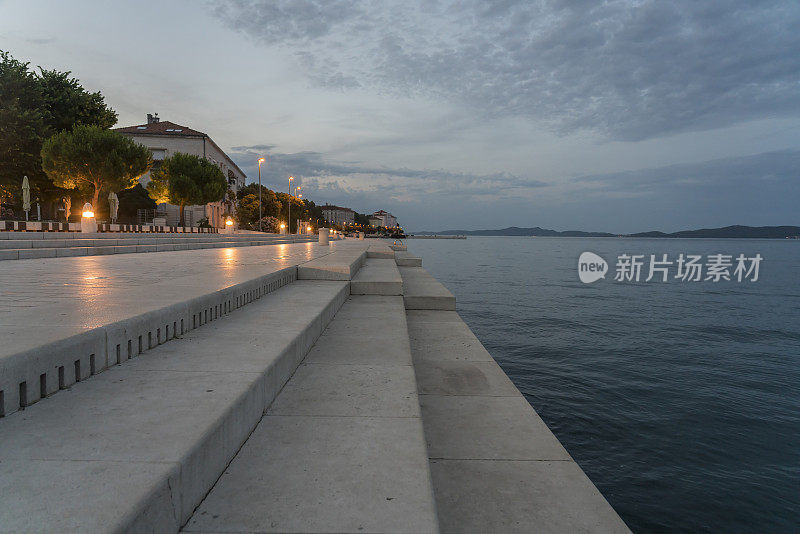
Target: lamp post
x: 289, y: 217
x: 260, y: 161
x: 299, y: 196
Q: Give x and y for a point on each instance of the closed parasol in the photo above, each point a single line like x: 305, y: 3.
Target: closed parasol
x: 26, y: 196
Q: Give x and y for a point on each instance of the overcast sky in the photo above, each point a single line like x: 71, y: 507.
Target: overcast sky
x: 618, y: 116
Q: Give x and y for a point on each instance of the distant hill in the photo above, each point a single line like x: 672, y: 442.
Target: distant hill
x: 517, y: 231
x: 733, y: 232
x: 728, y: 232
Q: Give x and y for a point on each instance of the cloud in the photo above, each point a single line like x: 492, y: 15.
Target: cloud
x: 762, y: 189
x: 746, y: 176
x: 41, y: 40
x: 630, y: 70
x: 345, y: 181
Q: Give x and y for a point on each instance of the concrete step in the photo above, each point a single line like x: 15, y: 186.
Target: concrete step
x: 31, y: 371
x: 136, y: 448
x: 131, y: 239
x: 12, y: 235
x: 100, y: 247
x: 377, y: 277
x: 342, y: 264
x: 496, y: 467
x: 342, y: 448
x: 421, y: 291
x: 405, y: 259
x: 380, y: 249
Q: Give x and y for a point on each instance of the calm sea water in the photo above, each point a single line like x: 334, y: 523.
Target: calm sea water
x: 680, y: 400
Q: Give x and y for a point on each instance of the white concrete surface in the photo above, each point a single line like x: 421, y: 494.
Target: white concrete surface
x: 16, y: 249
x: 58, y: 312
x: 378, y: 276
x: 496, y: 467
x: 380, y: 249
x: 406, y: 259
x: 342, y: 264
x: 421, y: 291
x: 341, y: 449
x: 156, y: 432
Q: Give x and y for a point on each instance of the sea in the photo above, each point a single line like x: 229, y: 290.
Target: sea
x: 680, y: 399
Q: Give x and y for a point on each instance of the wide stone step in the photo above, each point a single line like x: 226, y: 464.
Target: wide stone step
x: 342, y: 448
x: 496, y: 467
x: 133, y: 239
x: 421, y: 291
x: 342, y: 264
x: 102, y: 247
x: 380, y: 249
x: 136, y: 448
x: 377, y: 277
x: 406, y: 259
x: 70, y: 318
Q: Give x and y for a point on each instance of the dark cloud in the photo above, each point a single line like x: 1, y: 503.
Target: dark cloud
x: 630, y: 70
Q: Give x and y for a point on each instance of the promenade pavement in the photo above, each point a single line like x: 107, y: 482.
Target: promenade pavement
x: 43, y: 300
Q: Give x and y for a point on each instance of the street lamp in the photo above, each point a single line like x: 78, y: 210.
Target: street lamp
x: 290, y: 206
x: 260, y: 161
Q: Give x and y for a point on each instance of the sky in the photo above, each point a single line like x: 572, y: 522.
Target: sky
x: 618, y: 116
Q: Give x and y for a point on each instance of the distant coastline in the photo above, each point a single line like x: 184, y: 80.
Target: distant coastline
x: 727, y: 232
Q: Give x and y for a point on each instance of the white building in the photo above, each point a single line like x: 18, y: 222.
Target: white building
x: 164, y: 139
x: 338, y: 215
x: 385, y: 218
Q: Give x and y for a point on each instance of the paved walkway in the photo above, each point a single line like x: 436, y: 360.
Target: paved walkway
x: 44, y: 300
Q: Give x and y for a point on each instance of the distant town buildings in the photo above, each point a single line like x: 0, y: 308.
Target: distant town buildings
x: 164, y: 139
x: 383, y: 218
x: 337, y: 214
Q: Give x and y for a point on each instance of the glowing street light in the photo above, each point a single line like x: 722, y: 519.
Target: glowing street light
x: 260, y: 161
x: 88, y: 222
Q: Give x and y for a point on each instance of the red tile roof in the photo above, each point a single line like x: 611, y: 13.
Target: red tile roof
x: 161, y: 128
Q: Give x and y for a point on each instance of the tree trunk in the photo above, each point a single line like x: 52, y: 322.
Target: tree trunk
x: 181, y: 220
x: 96, y: 198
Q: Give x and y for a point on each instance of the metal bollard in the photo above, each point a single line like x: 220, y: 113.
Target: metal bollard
x: 361, y: 235
x: 323, y: 237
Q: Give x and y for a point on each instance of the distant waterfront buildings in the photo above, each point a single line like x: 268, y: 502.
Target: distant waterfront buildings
x: 383, y: 218
x: 337, y: 214
x: 164, y: 139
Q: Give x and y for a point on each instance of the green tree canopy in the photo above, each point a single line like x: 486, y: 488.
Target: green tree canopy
x: 187, y: 180
x: 68, y: 104
x: 33, y: 106
x: 94, y: 159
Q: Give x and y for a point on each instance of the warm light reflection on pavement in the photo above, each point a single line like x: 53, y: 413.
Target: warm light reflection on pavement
x: 76, y: 293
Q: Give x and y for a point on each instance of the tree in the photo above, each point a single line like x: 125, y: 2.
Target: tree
x: 34, y: 106
x: 22, y: 125
x: 68, y: 104
x: 187, y: 180
x: 93, y: 159
x: 247, y: 205
x: 133, y: 199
